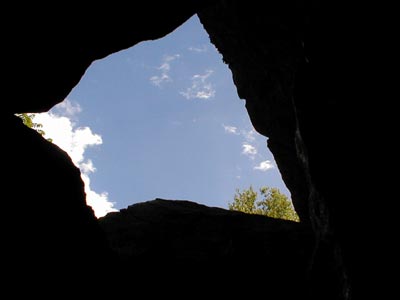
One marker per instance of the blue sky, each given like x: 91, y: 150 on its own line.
x: 161, y: 119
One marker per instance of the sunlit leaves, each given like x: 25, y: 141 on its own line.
x: 27, y: 119
x: 273, y: 204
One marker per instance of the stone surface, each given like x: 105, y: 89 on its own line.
x: 287, y: 63
x: 309, y: 73
x: 210, y: 247
x: 48, y: 52
x: 46, y: 225
x: 263, y: 52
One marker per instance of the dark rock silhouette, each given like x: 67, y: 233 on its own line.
x: 305, y: 70
x: 210, y: 247
x: 189, y: 232
x: 46, y: 225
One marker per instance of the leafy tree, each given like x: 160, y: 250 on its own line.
x: 245, y: 201
x: 273, y: 204
x: 27, y: 119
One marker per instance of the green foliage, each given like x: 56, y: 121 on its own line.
x: 273, y: 204
x: 244, y: 201
x: 27, y: 119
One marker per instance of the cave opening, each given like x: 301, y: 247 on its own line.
x: 297, y: 65
x: 162, y: 119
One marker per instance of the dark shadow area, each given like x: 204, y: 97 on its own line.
x: 300, y: 65
x: 209, y: 249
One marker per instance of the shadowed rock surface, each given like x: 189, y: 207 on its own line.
x: 186, y: 231
x: 210, y: 247
x: 48, y: 231
x: 308, y: 71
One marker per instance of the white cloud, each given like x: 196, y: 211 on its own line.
x: 249, y: 135
x: 87, y: 167
x: 249, y: 150
x: 158, y: 80
x: 202, y: 48
x: 200, y: 88
x: 165, y: 67
x: 67, y: 108
x: 99, y: 202
x: 74, y: 140
x: 264, y: 166
x: 230, y: 129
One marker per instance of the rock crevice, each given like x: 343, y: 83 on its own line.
x: 297, y: 64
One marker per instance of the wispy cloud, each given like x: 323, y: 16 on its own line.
x: 249, y: 135
x: 164, y: 69
x: 249, y: 150
x: 67, y: 108
x: 264, y: 166
x: 230, y: 129
x: 58, y: 126
x: 249, y: 144
x: 202, y: 48
x: 200, y: 88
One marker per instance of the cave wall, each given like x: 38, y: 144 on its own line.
x: 263, y: 52
x: 312, y: 76
x: 286, y: 64
x: 269, y: 58
x: 295, y: 63
x: 211, y: 250
x: 50, y: 237
x: 48, y: 51
x: 48, y: 231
